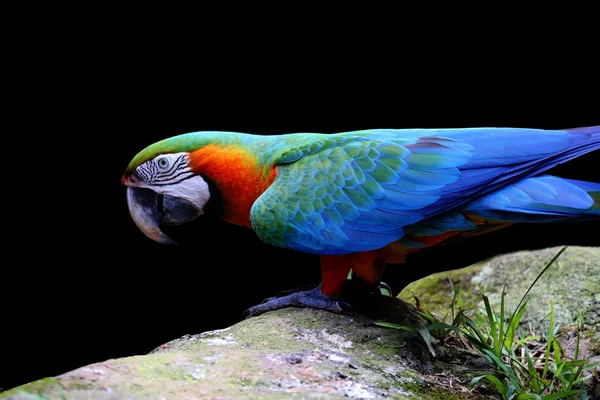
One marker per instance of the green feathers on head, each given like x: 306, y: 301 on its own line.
x: 185, y: 143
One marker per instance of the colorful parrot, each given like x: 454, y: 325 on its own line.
x: 361, y: 199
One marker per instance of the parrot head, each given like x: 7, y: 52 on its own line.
x: 164, y: 191
x: 177, y: 179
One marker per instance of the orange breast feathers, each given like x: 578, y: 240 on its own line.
x: 238, y: 176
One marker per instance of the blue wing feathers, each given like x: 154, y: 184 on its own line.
x: 540, y: 198
x: 443, y: 176
x: 585, y: 133
x: 516, y: 153
x: 443, y: 223
x: 375, y: 185
x: 432, y: 156
x: 495, y: 147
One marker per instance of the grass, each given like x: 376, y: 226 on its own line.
x: 526, y: 365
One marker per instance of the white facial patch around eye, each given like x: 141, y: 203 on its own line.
x: 165, y: 169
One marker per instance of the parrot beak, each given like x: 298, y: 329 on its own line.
x: 150, y: 210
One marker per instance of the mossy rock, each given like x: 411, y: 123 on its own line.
x: 572, y: 284
x: 301, y: 353
x: 306, y: 353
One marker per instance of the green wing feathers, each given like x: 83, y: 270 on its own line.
x: 346, y: 193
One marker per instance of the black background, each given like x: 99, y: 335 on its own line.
x: 82, y: 284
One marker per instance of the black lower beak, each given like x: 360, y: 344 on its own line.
x: 149, y: 210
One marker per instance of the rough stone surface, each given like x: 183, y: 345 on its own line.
x: 310, y: 354
x: 290, y: 353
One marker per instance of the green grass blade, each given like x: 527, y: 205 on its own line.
x: 557, y: 351
x: 426, y: 335
x: 472, y: 326
x: 561, y: 395
x: 581, y: 380
x: 533, y: 373
x: 526, y: 396
x: 458, y: 318
x: 513, y: 325
x: 502, y: 367
x: 590, y: 366
x: 445, y: 316
x: 559, y: 369
x: 454, y: 294
x: 396, y: 326
x: 492, y: 324
x: 443, y: 325
x: 579, y: 368
x: 521, y: 342
x: 537, y: 278
x: 501, y: 342
x: 549, y: 341
x: 428, y: 316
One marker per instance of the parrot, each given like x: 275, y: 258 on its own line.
x: 360, y: 199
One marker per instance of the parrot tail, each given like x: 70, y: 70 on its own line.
x: 543, y: 198
x: 534, y: 199
x: 585, y: 140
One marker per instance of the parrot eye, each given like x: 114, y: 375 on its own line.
x: 163, y: 163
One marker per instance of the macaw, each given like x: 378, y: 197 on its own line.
x: 361, y: 199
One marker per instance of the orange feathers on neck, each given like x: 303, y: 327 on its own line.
x: 238, y: 176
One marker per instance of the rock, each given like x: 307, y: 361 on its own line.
x: 305, y: 353
x: 289, y: 353
x: 572, y: 284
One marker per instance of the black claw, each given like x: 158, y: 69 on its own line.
x: 312, y: 298
x: 362, y: 296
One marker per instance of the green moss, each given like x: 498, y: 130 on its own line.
x: 22, y: 395
x: 434, y: 291
x: 41, y: 388
x: 243, y: 382
x: 276, y: 333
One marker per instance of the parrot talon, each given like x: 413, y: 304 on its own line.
x: 312, y: 298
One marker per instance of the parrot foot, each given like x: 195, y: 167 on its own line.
x: 312, y: 298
